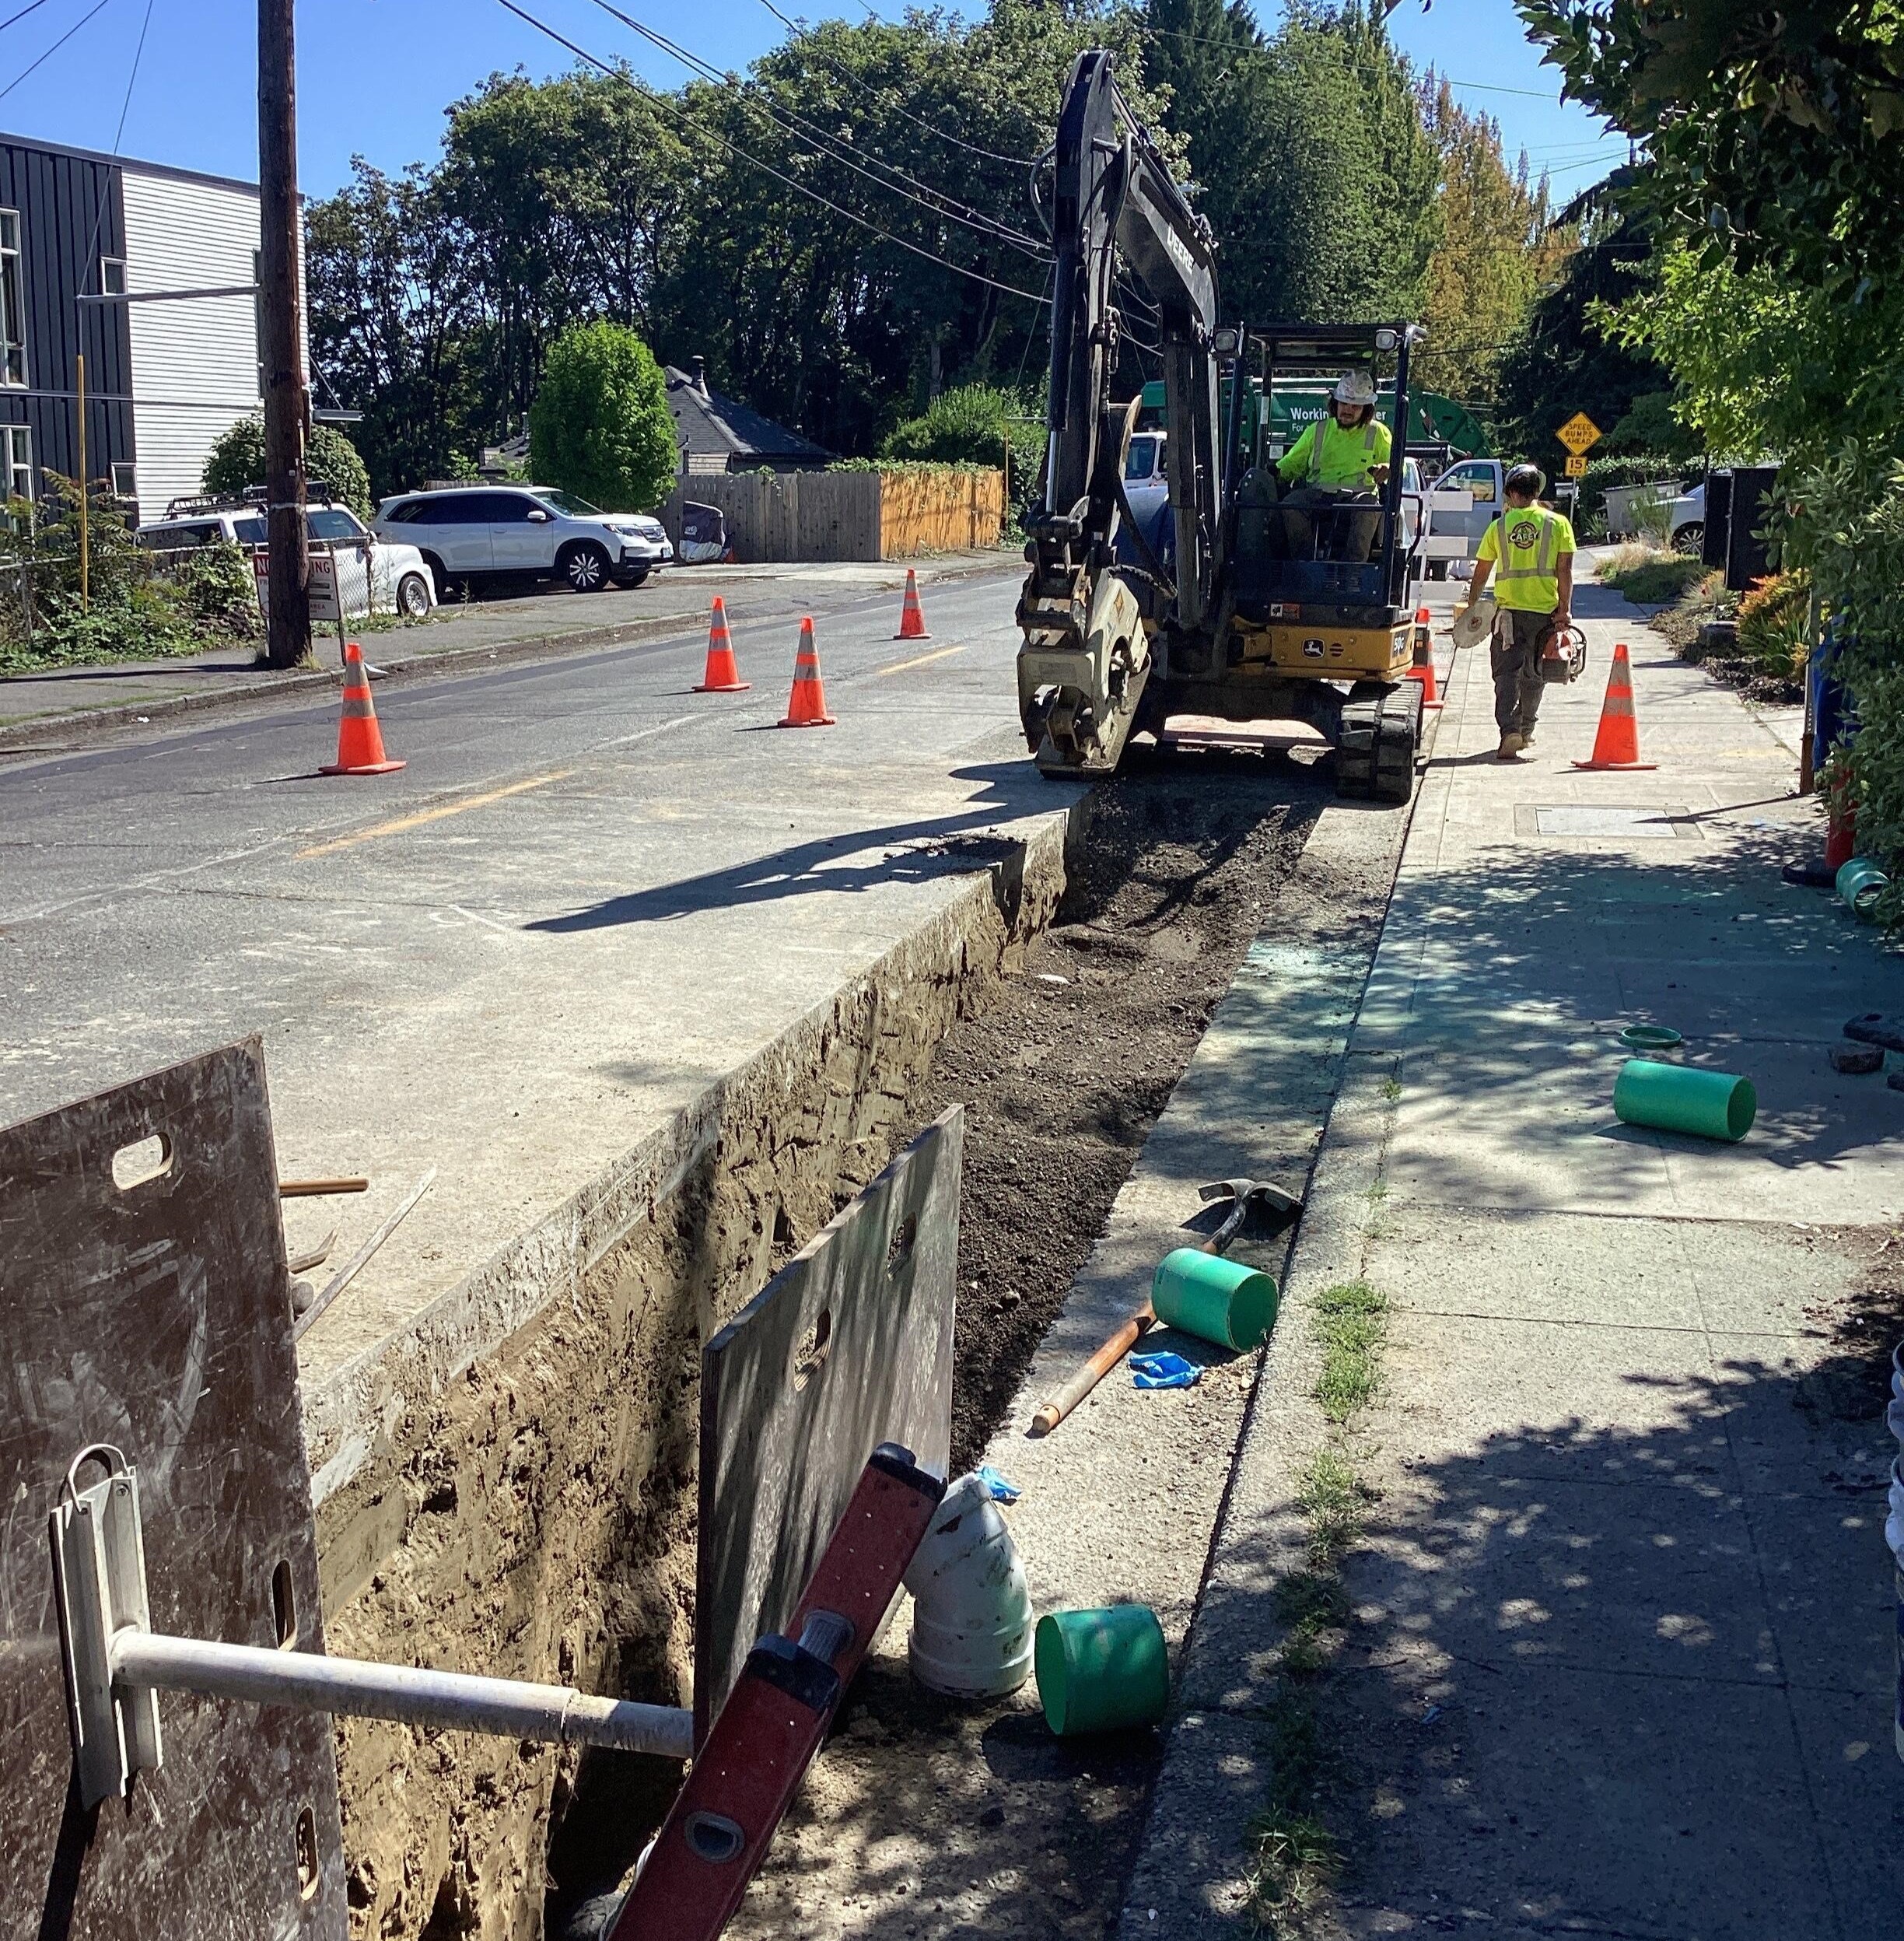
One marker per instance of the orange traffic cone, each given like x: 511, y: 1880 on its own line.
x: 1423, y: 647
x: 360, y: 741
x: 1617, y: 744
x: 723, y: 675
x: 807, y: 707
x: 911, y: 616
x: 1423, y: 670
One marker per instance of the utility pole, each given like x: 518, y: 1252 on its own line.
x: 281, y: 306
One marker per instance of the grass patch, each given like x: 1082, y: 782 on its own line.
x: 1650, y: 577
x: 1352, y: 1320
x: 1294, y: 1856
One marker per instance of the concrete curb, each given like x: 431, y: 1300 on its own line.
x: 1188, y: 1879
x: 47, y: 734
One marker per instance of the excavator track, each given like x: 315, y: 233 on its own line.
x: 1381, y: 737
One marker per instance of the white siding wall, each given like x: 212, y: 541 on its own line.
x: 195, y: 364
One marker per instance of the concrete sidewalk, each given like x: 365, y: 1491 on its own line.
x: 1619, y: 1658
x: 55, y: 703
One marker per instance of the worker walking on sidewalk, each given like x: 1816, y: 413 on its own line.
x: 1529, y: 551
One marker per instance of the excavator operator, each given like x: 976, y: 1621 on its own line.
x: 1340, y: 459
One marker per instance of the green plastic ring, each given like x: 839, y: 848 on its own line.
x: 1651, y: 1037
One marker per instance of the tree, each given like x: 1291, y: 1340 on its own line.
x: 600, y: 426
x: 1499, y: 249
x: 1569, y: 356
x: 1309, y: 158
x: 976, y: 425
x: 235, y: 463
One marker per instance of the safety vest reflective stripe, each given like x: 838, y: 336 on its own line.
x: 1326, y: 430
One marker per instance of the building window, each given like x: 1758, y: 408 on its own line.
x: 17, y: 459
x: 12, y: 300
x: 124, y: 479
x: 112, y: 276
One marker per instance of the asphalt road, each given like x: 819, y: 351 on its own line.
x: 590, y: 892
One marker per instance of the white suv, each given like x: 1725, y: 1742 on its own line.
x: 478, y: 532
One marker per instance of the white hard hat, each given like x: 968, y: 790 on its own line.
x: 1354, y: 388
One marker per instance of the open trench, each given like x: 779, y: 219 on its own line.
x: 540, y: 1517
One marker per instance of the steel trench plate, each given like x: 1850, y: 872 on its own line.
x: 156, y: 1316
x: 849, y: 1346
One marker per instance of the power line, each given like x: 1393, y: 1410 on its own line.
x: 943, y: 205
x: 125, y: 108
x: 622, y: 73
x: 944, y: 135
x: 22, y: 15
x: 54, y: 49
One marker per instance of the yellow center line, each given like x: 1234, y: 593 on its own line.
x: 937, y: 653
x: 405, y: 822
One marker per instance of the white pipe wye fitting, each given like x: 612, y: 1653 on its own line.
x: 971, y: 1610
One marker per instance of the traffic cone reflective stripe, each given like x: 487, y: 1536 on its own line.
x: 807, y: 707
x: 912, y: 615
x: 360, y: 741
x: 1617, y: 744
x: 723, y: 673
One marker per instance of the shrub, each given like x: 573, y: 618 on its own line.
x: 1774, y: 624
x: 236, y: 462
x: 977, y: 425
x: 600, y: 426
x: 1648, y: 577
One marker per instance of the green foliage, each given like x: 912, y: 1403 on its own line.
x: 1566, y: 358
x: 1653, y: 579
x: 1652, y: 430
x: 1771, y: 133
x: 976, y: 425
x: 236, y: 462
x: 1500, y: 248
x: 1308, y: 148
x: 1353, y: 1322
x: 138, y: 608
x: 1774, y: 625
x: 600, y: 426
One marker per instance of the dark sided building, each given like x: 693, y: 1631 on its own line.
x: 163, y: 378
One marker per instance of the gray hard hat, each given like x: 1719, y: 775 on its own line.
x: 1354, y: 388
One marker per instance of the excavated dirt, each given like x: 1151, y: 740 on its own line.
x: 1064, y: 1071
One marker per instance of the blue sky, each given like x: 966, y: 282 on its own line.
x: 375, y: 76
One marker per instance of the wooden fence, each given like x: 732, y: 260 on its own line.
x: 848, y: 515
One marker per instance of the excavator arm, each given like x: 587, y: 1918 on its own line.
x: 1087, y: 655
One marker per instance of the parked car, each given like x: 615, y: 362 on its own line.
x: 1685, y: 521
x: 473, y: 533
x: 400, y: 578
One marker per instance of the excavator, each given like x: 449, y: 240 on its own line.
x: 1248, y: 613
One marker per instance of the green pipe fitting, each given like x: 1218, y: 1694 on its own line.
x: 1218, y: 1301
x: 1102, y: 1670
x: 1860, y: 882
x: 1715, y: 1104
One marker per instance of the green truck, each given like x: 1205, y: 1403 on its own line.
x: 1439, y: 430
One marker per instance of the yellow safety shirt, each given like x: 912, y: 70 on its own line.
x: 1347, y: 458
x: 1527, y: 578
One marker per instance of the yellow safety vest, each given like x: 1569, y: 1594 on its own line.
x: 1336, y: 460
x: 1526, y: 541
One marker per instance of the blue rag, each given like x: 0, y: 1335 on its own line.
x: 1164, y: 1371
x: 1001, y: 1489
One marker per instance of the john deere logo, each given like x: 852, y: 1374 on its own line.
x: 1313, y: 649
x: 1524, y: 536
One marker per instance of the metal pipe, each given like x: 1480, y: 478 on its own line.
x: 313, y: 1682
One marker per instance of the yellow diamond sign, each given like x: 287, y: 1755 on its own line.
x: 1578, y: 432
x: 1576, y: 465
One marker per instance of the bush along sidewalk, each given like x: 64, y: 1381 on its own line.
x: 138, y: 605
x: 1294, y: 1855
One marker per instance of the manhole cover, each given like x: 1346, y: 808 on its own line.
x: 1665, y: 823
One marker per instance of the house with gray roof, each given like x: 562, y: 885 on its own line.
x: 718, y: 434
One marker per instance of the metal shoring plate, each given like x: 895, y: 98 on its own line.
x: 847, y: 1347
x: 145, y: 1303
